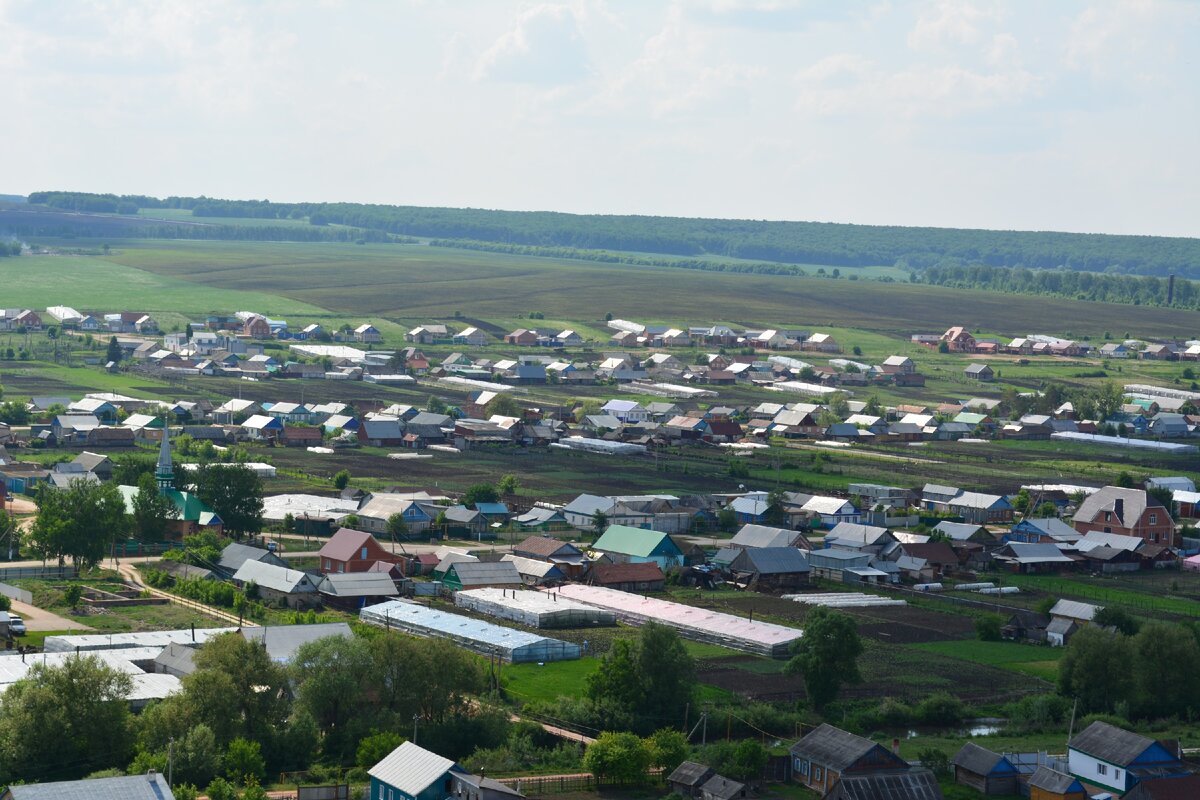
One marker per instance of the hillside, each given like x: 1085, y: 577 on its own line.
x: 831, y: 244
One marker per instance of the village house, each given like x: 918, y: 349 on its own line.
x: 984, y: 771
x: 826, y: 754
x: 1116, y: 759
x: 411, y: 772
x: 959, y: 340
x: 351, y: 550
x: 1128, y: 512
x: 622, y: 544
x: 274, y: 583
x: 979, y: 372
x: 630, y: 577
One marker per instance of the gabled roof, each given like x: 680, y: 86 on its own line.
x: 1055, y: 782
x: 345, y: 545
x: 1110, y: 743
x: 633, y: 541
x: 859, y: 534
x: 358, y: 584
x: 1074, y: 610
x: 980, y: 760
x: 480, y: 573
x: 1133, y: 501
x: 751, y: 535
x: 634, y: 572
x: 128, y: 787
x: 771, y: 561
x: 236, y: 554
x: 689, y: 773
x: 958, y: 531
x: 545, y: 547
x: 835, y: 748
x: 917, y: 784
x: 411, y: 769
x: 270, y: 576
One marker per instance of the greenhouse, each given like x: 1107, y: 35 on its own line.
x: 535, y: 609
x: 70, y: 643
x: 844, y: 599
x: 698, y: 624
x: 472, y: 634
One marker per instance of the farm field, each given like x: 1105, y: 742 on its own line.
x: 407, y: 282
x: 1039, y: 661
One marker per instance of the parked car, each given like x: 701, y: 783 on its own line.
x: 16, y: 626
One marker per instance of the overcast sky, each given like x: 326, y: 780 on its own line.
x: 1032, y: 115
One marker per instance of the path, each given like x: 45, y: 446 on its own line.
x: 37, y: 619
x: 129, y: 572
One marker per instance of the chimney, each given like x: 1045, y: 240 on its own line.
x: 1119, y: 509
x: 151, y: 775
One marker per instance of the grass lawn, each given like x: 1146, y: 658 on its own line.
x: 531, y: 682
x: 1041, y: 662
x: 1151, y: 600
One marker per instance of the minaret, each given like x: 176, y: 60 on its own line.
x: 164, y: 473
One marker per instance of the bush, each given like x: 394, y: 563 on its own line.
x: 1038, y: 712
x: 987, y: 627
x: 940, y: 709
x: 934, y: 760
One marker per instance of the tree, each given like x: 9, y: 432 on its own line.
x: 254, y: 790
x: 747, y: 762
x: 599, y: 523
x: 372, y: 749
x: 220, y: 789
x: 62, y: 722
x: 1096, y: 669
x: 509, y: 484
x: 152, y: 511
x: 237, y: 689
x: 244, y: 761
x: 651, y: 679
x: 1047, y: 509
x: 72, y: 594
x: 617, y: 757
x: 235, y: 494
x: 328, y: 675
x: 668, y: 749
x: 480, y: 493
x: 775, y: 515
x: 397, y: 528
x: 114, y: 352
x: 78, y: 522
x: 505, y: 406
x: 1020, y: 502
x: 1116, y: 617
x: 341, y: 479
x: 987, y: 627
x: 435, y: 405
x: 1162, y: 671
x: 727, y: 519
x: 827, y: 655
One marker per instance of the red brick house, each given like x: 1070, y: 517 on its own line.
x: 257, y: 328
x: 521, y: 336
x: 959, y: 340
x: 1128, y: 512
x: 349, y: 550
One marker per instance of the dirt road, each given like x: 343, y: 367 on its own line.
x: 37, y: 619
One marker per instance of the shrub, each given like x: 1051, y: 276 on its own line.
x: 940, y: 708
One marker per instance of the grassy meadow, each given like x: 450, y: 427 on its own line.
x: 414, y: 282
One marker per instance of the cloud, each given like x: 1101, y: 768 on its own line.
x: 544, y: 46
x: 948, y: 23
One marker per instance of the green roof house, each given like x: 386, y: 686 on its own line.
x: 194, y: 515
x: 625, y: 545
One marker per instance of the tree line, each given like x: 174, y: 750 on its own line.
x: 831, y: 244
x: 1105, y: 288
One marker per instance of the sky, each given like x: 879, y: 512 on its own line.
x: 1014, y: 115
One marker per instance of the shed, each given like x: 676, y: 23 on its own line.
x: 1050, y: 784
x: 357, y: 589
x: 771, y: 567
x: 821, y: 757
x: 984, y: 771
x: 688, y: 777
x: 917, y: 784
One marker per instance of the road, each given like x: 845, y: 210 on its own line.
x: 37, y: 619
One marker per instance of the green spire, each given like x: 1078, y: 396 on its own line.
x: 164, y: 473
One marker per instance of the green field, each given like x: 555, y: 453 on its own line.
x: 413, y: 282
x: 1041, y: 662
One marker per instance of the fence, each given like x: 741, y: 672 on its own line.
x: 542, y: 785
x: 16, y: 573
x: 12, y: 592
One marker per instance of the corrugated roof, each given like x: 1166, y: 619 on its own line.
x: 764, y: 536
x: 345, y: 544
x: 640, y: 572
x: 632, y: 541
x: 771, y: 561
x: 479, y: 573
x: 690, y: 773
x: 544, y: 546
x: 282, y: 641
x: 1074, y: 609
x: 359, y: 584
x: 411, y: 769
x: 270, y: 576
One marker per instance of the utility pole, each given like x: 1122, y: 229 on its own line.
x: 170, y: 761
x: 415, y: 718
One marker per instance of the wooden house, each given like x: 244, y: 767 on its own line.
x: 984, y: 771
x: 827, y: 754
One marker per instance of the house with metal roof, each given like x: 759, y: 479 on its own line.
x: 1026, y: 558
x: 535, y: 572
x: 623, y: 544
x: 356, y: 589
x: 1042, y: 530
x: 751, y: 535
x: 1116, y: 759
x: 151, y: 786
x: 821, y: 758
x: 235, y: 554
x: 645, y: 576
x: 481, y: 574
x: 984, y: 771
x: 769, y: 568
x: 274, y: 583
x: 411, y: 772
